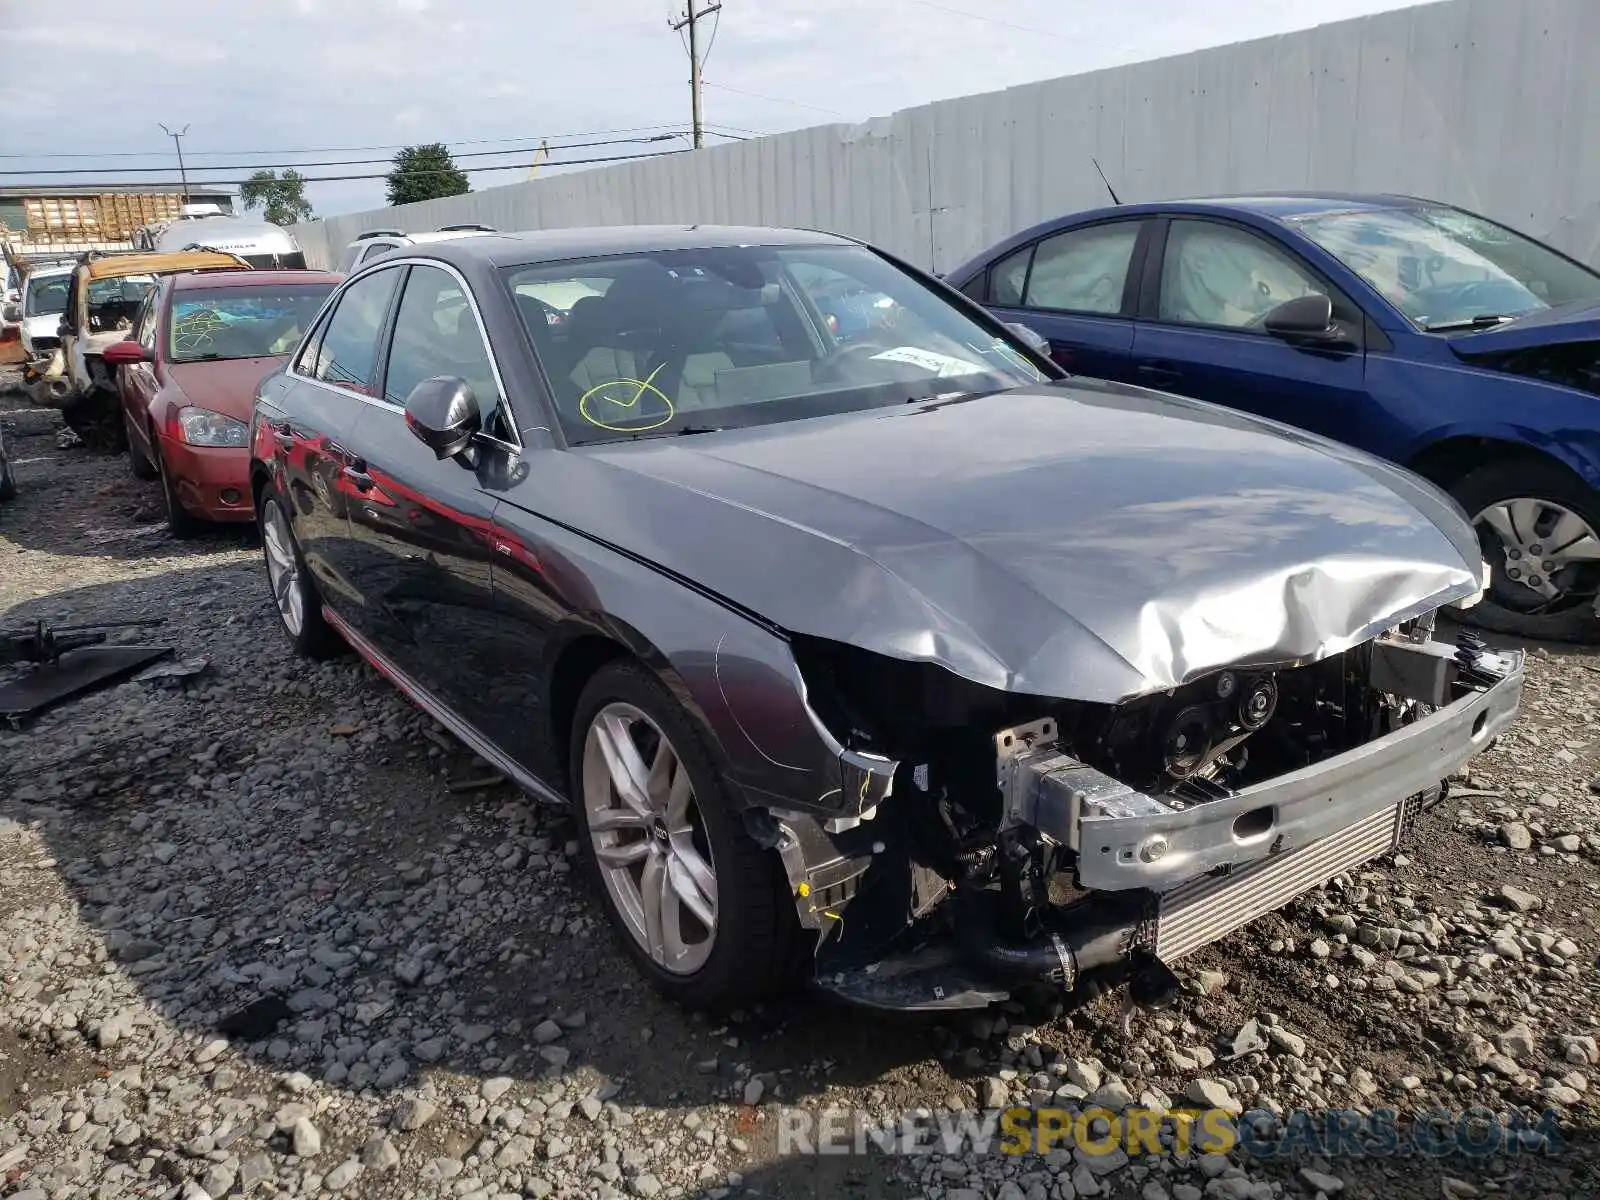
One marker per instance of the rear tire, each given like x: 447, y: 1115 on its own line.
x: 289, y: 581
x: 97, y: 421
x: 754, y: 933
x: 1502, y: 608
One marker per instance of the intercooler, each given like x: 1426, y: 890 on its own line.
x: 1205, y: 909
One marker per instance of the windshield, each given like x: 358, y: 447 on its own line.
x: 241, y: 322
x: 686, y: 340
x: 46, y: 296
x: 1446, y: 268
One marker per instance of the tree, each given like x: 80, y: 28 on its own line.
x: 425, y: 173
x: 283, y: 199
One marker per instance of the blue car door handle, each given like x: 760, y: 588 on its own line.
x: 1158, y: 373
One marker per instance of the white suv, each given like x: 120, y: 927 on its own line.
x: 374, y: 242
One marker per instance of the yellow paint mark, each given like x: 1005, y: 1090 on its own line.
x: 643, y: 386
x: 804, y: 889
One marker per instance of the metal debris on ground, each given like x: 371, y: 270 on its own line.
x: 179, y: 668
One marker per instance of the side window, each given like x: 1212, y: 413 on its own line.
x: 1007, y: 277
x: 1083, y: 270
x: 1219, y: 275
x: 374, y: 249
x: 436, y: 333
x: 344, y: 353
x: 144, y: 324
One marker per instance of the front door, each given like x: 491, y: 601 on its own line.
x: 422, y: 524
x: 1202, y: 333
x: 311, y: 411
x: 1073, y: 289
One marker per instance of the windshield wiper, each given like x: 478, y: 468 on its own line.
x: 1481, y: 321
x: 681, y: 431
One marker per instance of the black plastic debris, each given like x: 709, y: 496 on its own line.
x: 72, y: 674
x: 255, y: 1020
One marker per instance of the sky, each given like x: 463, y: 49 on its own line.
x: 294, y: 82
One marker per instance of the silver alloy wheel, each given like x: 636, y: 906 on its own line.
x: 1539, y: 539
x: 283, y: 569
x: 649, y: 838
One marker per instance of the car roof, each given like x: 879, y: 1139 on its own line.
x: 216, y: 279
x: 50, y: 272
x: 553, y: 245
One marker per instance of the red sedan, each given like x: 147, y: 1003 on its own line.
x: 187, y: 376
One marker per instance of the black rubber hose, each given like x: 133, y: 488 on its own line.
x: 1090, y: 934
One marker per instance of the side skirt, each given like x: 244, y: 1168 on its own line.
x: 435, y: 708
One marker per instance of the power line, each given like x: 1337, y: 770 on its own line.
x: 346, y: 162
x: 571, y: 162
x: 359, y: 149
x: 1074, y: 36
x: 723, y: 87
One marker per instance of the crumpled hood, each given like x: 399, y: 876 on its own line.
x: 227, y: 386
x: 1082, y: 540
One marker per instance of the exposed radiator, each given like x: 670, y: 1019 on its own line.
x: 1202, y: 911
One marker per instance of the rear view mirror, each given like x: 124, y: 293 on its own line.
x: 443, y: 414
x: 1304, y: 318
x: 125, y: 353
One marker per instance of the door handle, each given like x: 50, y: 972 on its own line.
x: 1158, y: 373
x: 283, y: 431
x: 356, y: 473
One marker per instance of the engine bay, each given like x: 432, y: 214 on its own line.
x: 1037, y: 835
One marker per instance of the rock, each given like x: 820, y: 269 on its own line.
x: 514, y: 1153
x: 646, y: 1186
x: 306, y: 1140
x: 1567, y: 843
x: 1085, y: 1074
x: 217, y: 1180
x: 1518, y: 899
x: 255, y: 1169
x: 546, y: 1032
x: 1208, y: 983
x: 1248, y: 1040
x: 379, y: 1153
x: 995, y: 1093
x: 1515, y: 835
x: 1319, y: 1181
x: 493, y: 1089
x: 342, y: 1176
x: 1209, y: 1093
x: 1319, y: 948
x: 414, y: 1114
x: 1186, y: 1191
x: 1289, y: 1043
x: 211, y: 1050
x: 1361, y: 1079
x: 1517, y: 1042
x: 753, y: 1090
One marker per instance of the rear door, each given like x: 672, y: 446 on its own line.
x: 137, y: 382
x: 422, y: 524
x: 311, y: 410
x: 1208, y: 286
x: 1077, y: 288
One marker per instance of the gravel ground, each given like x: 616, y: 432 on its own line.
x: 269, y: 931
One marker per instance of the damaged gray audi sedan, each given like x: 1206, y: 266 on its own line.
x: 867, y: 647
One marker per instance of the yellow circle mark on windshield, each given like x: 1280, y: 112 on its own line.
x: 625, y: 394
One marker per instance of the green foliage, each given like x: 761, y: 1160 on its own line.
x: 425, y: 173
x: 282, y: 198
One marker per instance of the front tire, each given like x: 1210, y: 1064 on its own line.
x: 701, y: 909
x: 299, y: 607
x: 179, y: 522
x: 1539, y: 526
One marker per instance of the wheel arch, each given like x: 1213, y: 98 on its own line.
x: 1451, y: 459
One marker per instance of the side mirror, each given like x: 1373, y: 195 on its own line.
x: 443, y: 414
x: 125, y: 353
x: 12, y: 312
x: 1303, y: 319
x: 1036, y: 341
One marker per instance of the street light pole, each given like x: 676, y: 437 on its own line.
x: 177, y: 140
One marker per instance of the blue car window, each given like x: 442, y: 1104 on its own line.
x: 1083, y: 270
x: 1009, y: 277
x: 1218, y: 275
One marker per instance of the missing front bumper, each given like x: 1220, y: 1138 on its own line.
x: 1125, y: 839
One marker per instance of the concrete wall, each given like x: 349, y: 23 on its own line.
x: 1491, y: 104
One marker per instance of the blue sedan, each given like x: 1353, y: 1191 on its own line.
x: 1417, y: 331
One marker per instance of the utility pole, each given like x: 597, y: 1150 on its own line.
x: 177, y: 140
x: 690, y: 20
